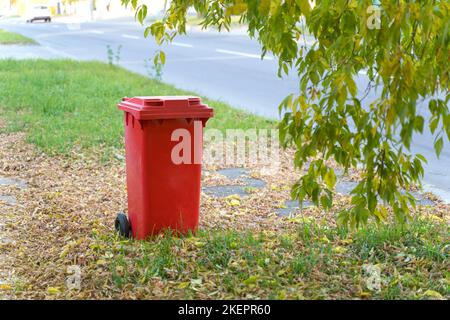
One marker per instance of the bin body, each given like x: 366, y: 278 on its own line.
x: 163, y: 194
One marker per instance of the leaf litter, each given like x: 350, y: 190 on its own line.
x: 243, y: 250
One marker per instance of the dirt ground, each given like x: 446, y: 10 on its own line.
x: 67, y: 200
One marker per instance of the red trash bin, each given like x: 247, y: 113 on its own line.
x: 163, y: 143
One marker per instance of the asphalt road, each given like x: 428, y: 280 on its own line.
x: 226, y: 67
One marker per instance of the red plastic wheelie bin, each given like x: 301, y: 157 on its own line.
x: 163, y: 143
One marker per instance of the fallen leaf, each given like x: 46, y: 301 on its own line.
x: 53, y: 290
x: 184, y: 285
x: 5, y: 287
x: 433, y: 294
x: 339, y: 249
x: 197, y: 282
x: 251, y: 280
x: 234, y: 202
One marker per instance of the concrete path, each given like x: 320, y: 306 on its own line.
x: 7, y: 204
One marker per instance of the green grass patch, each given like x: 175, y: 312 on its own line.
x: 65, y: 103
x: 7, y: 37
x: 312, y: 261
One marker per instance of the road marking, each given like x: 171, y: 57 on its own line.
x: 180, y: 44
x: 96, y: 31
x: 243, y: 54
x: 187, y: 59
x: 130, y: 37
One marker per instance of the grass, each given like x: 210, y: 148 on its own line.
x: 62, y: 103
x: 312, y: 262
x: 7, y: 37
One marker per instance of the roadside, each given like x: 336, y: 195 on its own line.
x: 62, y: 181
x: 83, y: 110
x: 9, y: 38
x: 64, y: 221
x: 66, y: 183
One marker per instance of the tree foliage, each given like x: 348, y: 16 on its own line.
x: 402, y: 47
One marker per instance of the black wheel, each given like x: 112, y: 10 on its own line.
x: 49, y: 20
x: 123, y: 225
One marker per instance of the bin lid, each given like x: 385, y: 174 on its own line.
x: 166, y: 107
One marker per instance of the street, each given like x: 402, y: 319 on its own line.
x: 225, y: 67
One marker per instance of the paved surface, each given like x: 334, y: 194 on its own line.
x: 6, y: 272
x: 222, y: 66
x: 289, y: 208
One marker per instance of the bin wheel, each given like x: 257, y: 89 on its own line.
x: 123, y: 225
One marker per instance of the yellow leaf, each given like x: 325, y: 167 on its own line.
x: 199, y: 244
x: 433, y: 294
x: 234, y: 202
x: 101, y: 262
x: 436, y: 218
x: 347, y: 241
x: 53, y: 290
x: 183, y: 285
x: 5, y: 287
x: 339, y: 249
x: 282, y: 295
x: 251, y: 280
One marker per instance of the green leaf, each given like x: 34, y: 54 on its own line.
x: 330, y: 179
x: 142, y: 13
x: 162, y: 57
x: 438, y: 145
x: 367, y: 129
x: 147, y: 31
x: 304, y: 7
x: 343, y: 218
x: 326, y: 201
